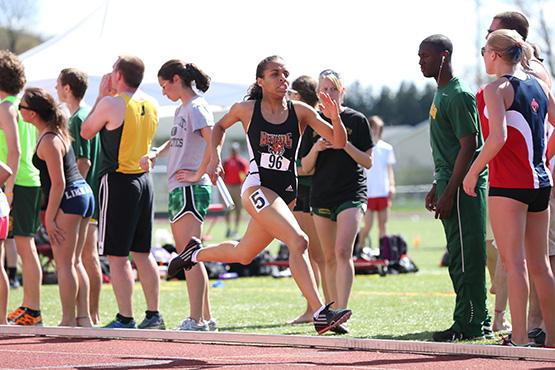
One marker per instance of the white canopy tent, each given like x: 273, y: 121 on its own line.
x: 94, y: 44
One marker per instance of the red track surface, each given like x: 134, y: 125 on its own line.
x: 67, y: 353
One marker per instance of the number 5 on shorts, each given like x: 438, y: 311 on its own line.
x: 258, y: 200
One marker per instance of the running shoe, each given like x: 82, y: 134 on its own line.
x: 190, y: 324
x: 537, y: 335
x: 488, y: 332
x: 452, y: 335
x: 212, y: 325
x: 184, y: 259
x: 154, y: 322
x: 328, y: 319
x: 26, y: 319
x: 117, y: 324
x: 12, y: 316
x: 449, y: 335
x: 507, y: 341
x: 340, y: 329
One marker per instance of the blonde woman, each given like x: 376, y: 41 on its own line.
x: 339, y: 195
x: 517, y: 105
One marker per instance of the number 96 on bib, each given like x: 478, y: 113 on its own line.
x: 274, y: 162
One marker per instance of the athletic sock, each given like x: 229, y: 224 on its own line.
x: 123, y: 319
x: 194, y: 256
x: 34, y: 313
x: 12, y: 272
x: 150, y: 314
x: 315, y: 314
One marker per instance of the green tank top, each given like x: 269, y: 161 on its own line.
x: 27, y: 174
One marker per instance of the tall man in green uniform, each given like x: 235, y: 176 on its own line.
x: 456, y: 140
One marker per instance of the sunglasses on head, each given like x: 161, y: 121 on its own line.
x: 327, y: 72
x: 21, y: 107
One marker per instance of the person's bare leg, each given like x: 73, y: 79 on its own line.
x: 508, y: 221
x: 534, y: 311
x: 196, y: 278
x: 4, y: 288
x: 121, y: 276
x: 149, y: 277
x: 366, y: 228
x: 348, y: 222
x: 326, y: 230
x: 91, y: 263
x: 500, y: 322
x: 537, y: 224
x: 31, y: 271
x: 64, y: 256
x: 10, y: 252
x: 274, y: 221
x: 383, y: 217
x: 83, y: 292
x: 315, y: 256
x: 491, y: 263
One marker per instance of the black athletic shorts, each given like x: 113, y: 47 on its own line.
x: 303, y: 199
x: 126, y: 214
x: 536, y: 199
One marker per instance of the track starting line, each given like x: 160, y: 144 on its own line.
x: 341, y: 343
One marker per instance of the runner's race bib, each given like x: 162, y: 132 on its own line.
x: 274, y: 162
x: 259, y: 200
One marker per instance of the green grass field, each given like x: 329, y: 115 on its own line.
x: 408, y: 306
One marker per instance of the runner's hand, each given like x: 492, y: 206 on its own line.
x: 187, y: 176
x: 105, y: 88
x: 328, y: 106
x: 322, y: 144
x: 469, y: 184
x: 147, y: 162
x: 55, y: 234
x: 215, y: 169
x: 430, y: 201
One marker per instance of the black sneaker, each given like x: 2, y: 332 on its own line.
x: 184, y: 259
x: 537, y: 335
x: 328, y: 319
x: 451, y: 335
x: 448, y: 335
x: 340, y: 329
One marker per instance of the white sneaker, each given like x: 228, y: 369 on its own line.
x: 212, y: 326
x: 192, y: 325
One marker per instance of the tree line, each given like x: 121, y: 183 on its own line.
x: 408, y: 105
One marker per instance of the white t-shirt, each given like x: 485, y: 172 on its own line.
x: 377, y: 177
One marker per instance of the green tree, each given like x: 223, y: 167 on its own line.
x: 407, y: 106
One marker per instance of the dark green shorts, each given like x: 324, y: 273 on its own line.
x: 25, y: 211
x: 332, y: 213
x: 193, y: 199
